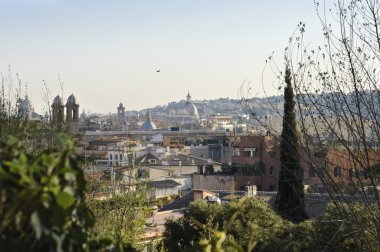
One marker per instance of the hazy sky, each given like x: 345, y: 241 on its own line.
x: 108, y: 51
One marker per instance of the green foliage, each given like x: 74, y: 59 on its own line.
x: 119, y: 219
x: 340, y: 229
x: 209, y: 169
x: 250, y: 225
x: 166, y: 200
x: 290, y: 195
x: 219, y: 243
x: 228, y: 169
x: 41, y: 200
x: 239, y: 226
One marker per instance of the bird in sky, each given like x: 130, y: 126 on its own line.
x: 158, y: 71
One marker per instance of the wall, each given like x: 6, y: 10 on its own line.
x: 213, y: 182
x: 196, y: 151
x: 263, y: 183
x: 156, y: 193
x: 201, y: 195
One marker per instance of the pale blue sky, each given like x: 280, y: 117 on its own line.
x: 108, y: 51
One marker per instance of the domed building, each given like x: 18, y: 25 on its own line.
x: 82, y: 116
x: 26, y: 109
x: 148, y: 124
x: 184, y: 114
x: 190, y: 108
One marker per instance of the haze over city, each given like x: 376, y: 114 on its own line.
x: 108, y: 52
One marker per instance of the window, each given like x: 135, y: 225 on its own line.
x: 236, y: 151
x: 337, y: 171
x: 352, y: 173
x: 110, y: 156
x: 311, y: 172
x: 249, y: 152
x: 271, y: 171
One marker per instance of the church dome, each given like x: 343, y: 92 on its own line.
x: 148, y: 124
x: 26, y: 108
x: 72, y: 100
x: 26, y: 105
x: 83, y: 116
x: 190, y: 108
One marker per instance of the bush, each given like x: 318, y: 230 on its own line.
x: 119, y: 219
x: 42, y: 207
x: 248, y: 225
x: 347, y: 228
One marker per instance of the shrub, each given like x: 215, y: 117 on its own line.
x: 42, y: 207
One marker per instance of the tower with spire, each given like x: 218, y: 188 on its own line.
x: 72, y: 113
x: 57, y: 112
x: 121, y: 114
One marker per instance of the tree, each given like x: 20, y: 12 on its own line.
x: 247, y: 225
x: 119, y: 220
x: 337, y: 90
x: 36, y: 135
x: 209, y: 169
x: 290, y: 194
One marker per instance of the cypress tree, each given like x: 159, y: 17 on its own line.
x: 290, y: 193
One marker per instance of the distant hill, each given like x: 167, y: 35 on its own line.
x: 216, y: 106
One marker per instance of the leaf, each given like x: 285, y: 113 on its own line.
x: 70, y: 176
x: 36, y: 224
x: 64, y: 199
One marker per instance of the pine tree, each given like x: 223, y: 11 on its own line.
x: 290, y: 194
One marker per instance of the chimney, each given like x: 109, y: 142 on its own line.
x: 250, y: 191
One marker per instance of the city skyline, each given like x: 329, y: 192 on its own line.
x: 110, y: 52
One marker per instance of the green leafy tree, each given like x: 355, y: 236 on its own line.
x: 248, y: 225
x: 119, y: 219
x: 337, y: 88
x: 42, y: 202
x: 290, y: 195
x: 209, y: 169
